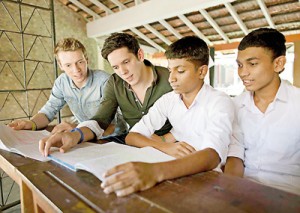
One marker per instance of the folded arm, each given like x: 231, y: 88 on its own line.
x: 177, y: 150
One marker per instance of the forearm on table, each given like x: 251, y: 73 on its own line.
x: 200, y: 161
x: 139, y: 140
x: 88, y: 134
x: 234, y: 166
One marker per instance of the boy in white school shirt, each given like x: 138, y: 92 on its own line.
x: 268, y: 115
x: 201, y: 118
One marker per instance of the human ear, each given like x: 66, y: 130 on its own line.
x: 279, y: 63
x: 140, y: 55
x: 202, y: 71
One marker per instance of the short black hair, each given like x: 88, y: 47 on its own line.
x: 119, y: 40
x: 268, y: 38
x: 191, y: 48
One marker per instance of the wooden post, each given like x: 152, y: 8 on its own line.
x: 296, y: 64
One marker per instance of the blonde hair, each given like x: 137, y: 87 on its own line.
x: 69, y: 44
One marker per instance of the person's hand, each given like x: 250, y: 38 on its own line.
x: 63, y: 127
x: 20, y: 124
x: 130, y: 177
x: 63, y: 140
x: 178, y: 149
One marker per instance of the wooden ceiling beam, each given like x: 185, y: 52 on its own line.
x: 234, y: 45
x: 236, y: 17
x: 266, y: 13
x: 125, y: 19
x: 86, y: 9
x: 194, y: 29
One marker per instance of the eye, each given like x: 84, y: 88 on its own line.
x: 239, y: 65
x: 180, y: 71
x: 68, y: 65
x: 126, y: 62
x: 253, y: 64
x: 115, y: 67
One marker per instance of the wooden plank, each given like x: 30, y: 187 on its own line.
x: 85, y: 184
x: 215, y: 192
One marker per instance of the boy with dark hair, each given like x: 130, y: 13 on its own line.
x: 134, y: 87
x: 201, y: 118
x: 267, y: 149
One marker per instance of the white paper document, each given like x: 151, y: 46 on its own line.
x: 98, y: 158
x: 22, y: 142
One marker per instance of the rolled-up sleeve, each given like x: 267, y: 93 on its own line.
x: 55, y: 103
x: 219, y: 127
x: 236, y: 147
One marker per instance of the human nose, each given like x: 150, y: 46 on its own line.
x: 123, y: 70
x: 172, y: 77
x: 243, y: 71
x: 76, y: 68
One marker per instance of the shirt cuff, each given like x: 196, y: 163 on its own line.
x: 235, y: 150
x: 93, y: 126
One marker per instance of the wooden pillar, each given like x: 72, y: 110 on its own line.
x: 212, y: 69
x: 297, y: 64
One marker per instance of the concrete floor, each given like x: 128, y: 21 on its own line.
x: 10, y: 193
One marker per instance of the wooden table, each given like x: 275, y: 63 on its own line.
x: 49, y: 187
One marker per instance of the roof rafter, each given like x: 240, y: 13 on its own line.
x: 214, y: 25
x: 86, y: 9
x: 236, y: 17
x: 194, y: 28
x: 136, y: 31
x: 102, y: 6
x: 119, y: 4
x: 170, y: 28
x: 159, y: 35
x: 124, y: 20
x: 266, y: 13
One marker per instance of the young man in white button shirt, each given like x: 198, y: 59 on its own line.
x: 201, y: 118
x: 267, y: 149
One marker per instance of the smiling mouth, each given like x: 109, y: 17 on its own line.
x: 129, y: 78
x: 247, y: 82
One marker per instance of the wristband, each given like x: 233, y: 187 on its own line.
x: 81, y: 134
x: 34, y: 127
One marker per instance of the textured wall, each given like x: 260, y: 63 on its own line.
x: 26, y: 54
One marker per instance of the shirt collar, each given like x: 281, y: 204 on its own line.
x: 201, y: 95
x: 281, y: 95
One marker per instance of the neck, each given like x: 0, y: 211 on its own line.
x: 263, y: 98
x: 188, y: 98
x: 146, y: 78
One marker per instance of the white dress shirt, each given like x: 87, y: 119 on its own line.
x: 271, y: 140
x: 207, y: 123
